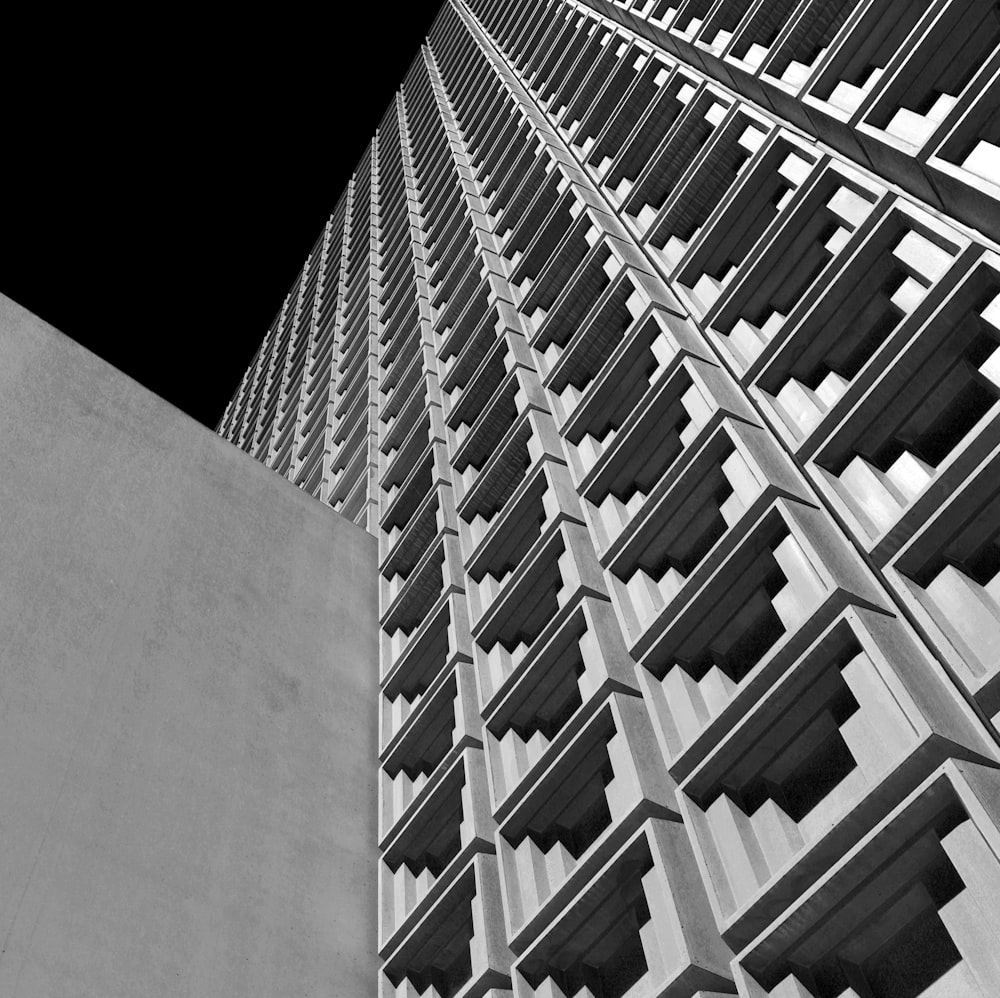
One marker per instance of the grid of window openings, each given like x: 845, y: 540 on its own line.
x: 659, y: 344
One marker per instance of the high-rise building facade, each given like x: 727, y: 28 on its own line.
x: 657, y: 342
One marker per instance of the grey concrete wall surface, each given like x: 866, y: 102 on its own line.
x: 187, y: 702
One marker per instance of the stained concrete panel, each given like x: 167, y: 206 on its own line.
x: 187, y: 702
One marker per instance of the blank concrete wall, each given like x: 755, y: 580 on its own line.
x: 187, y: 702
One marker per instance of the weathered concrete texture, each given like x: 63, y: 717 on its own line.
x: 188, y: 687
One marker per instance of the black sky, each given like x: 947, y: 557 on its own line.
x: 163, y: 187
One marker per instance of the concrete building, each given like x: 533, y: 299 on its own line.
x: 657, y: 344
x: 188, y: 701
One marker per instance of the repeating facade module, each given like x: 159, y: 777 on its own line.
x: 659, y: 344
